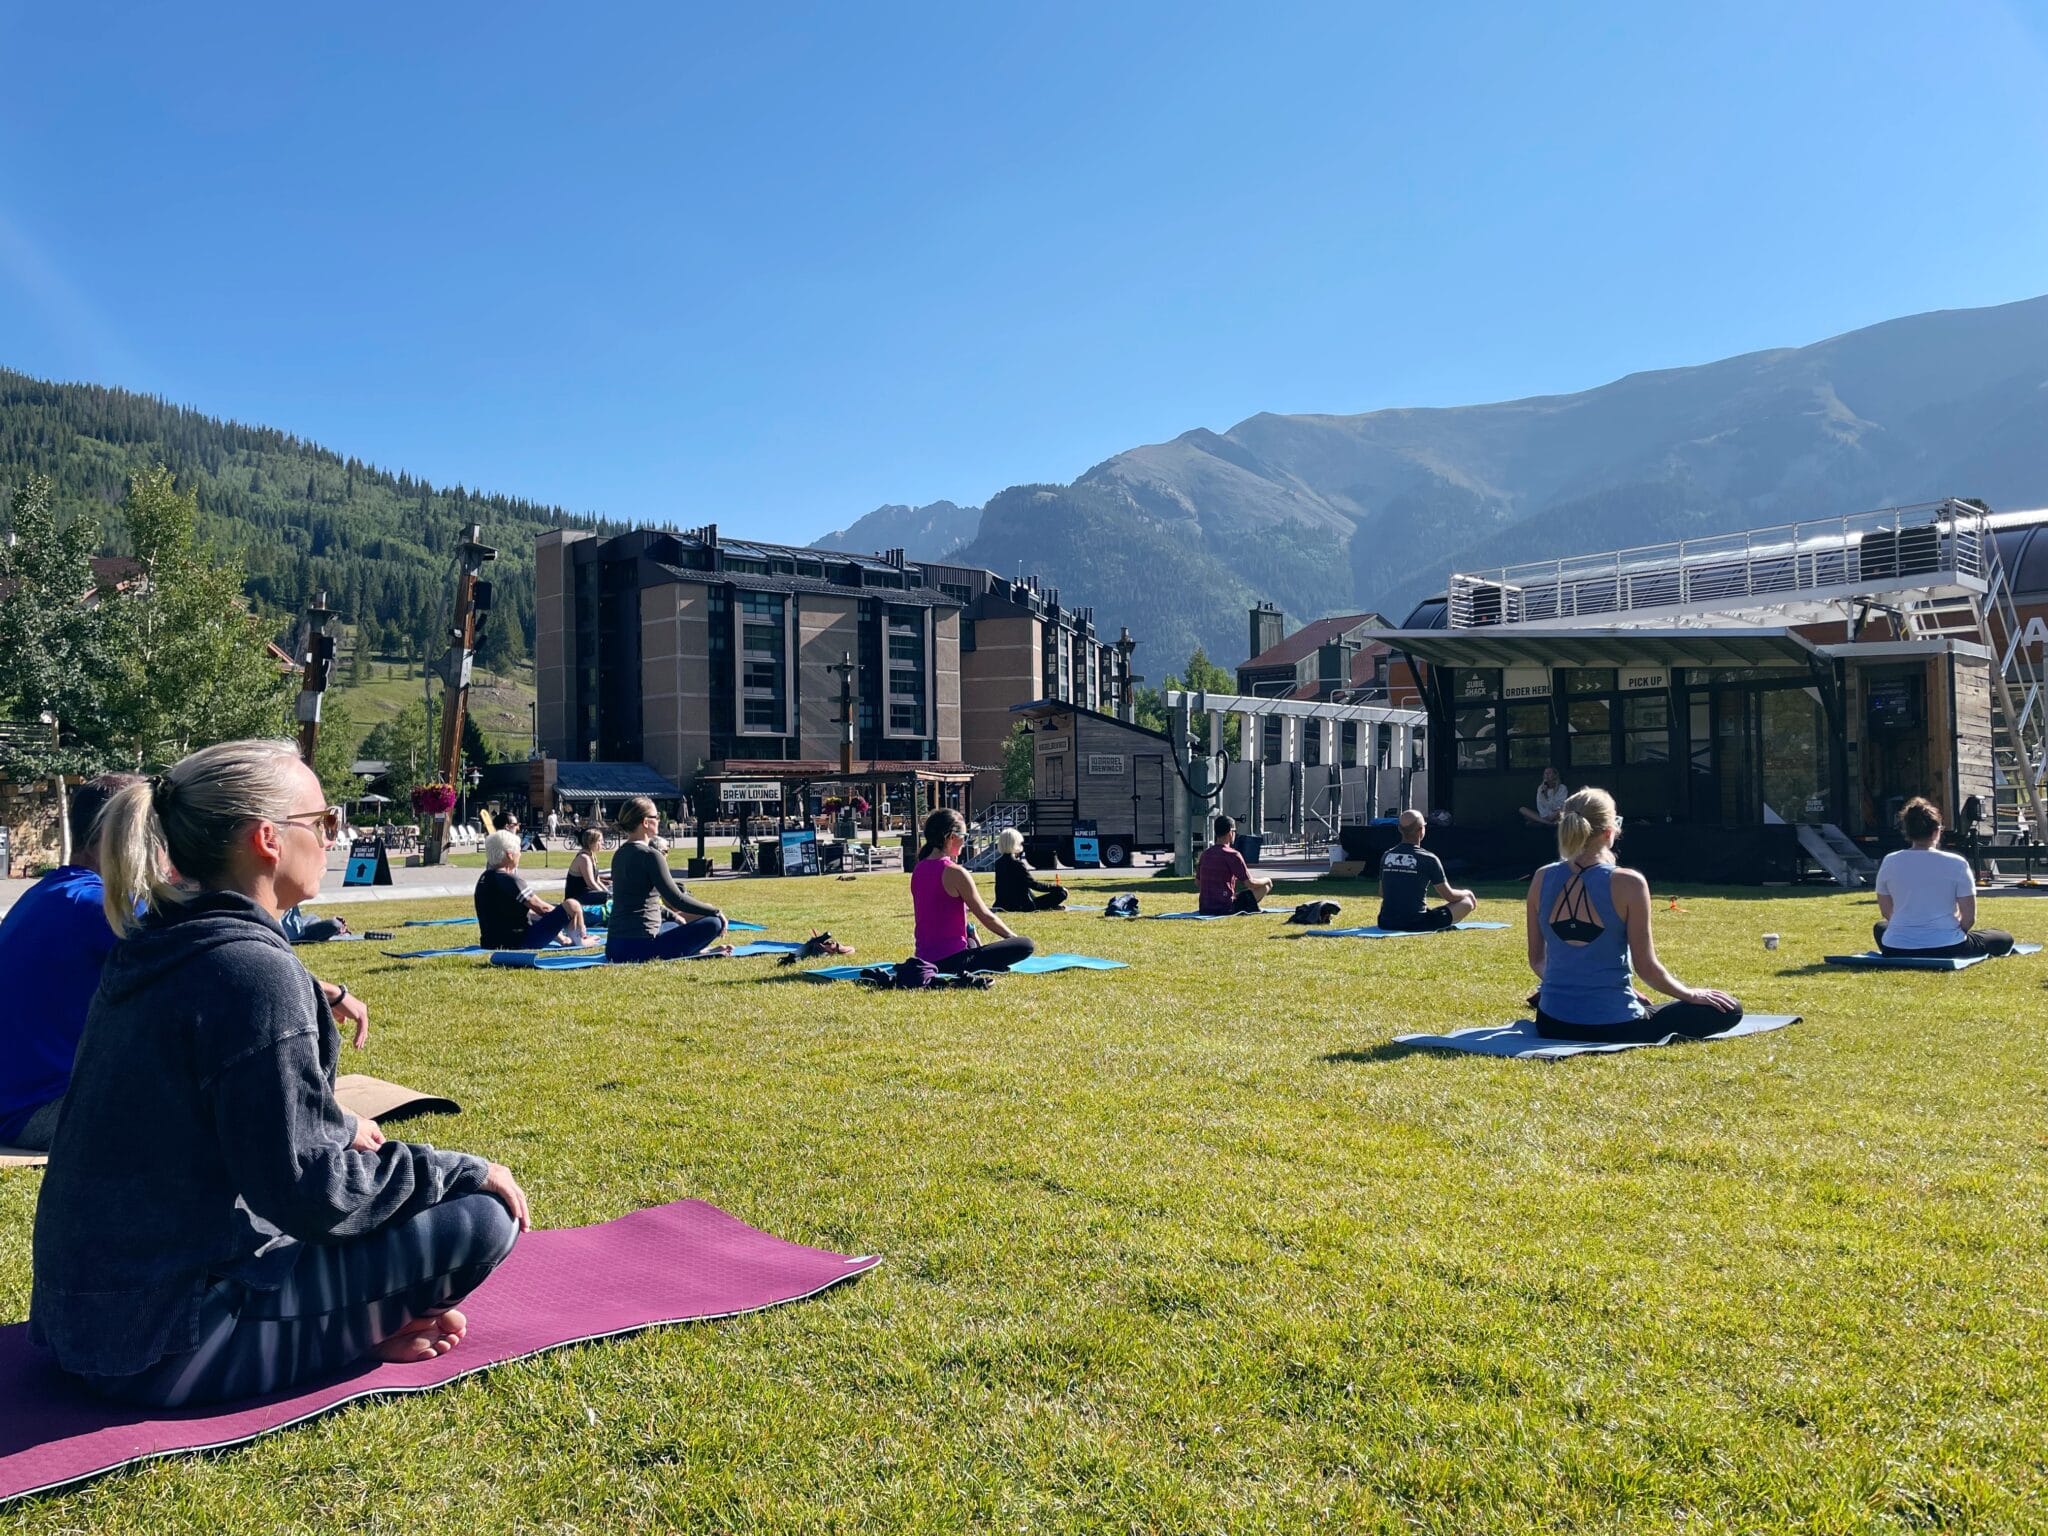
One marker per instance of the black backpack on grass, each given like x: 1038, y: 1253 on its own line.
x: 1315, y: 914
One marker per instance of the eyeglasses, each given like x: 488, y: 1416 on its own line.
x: 327, y: 823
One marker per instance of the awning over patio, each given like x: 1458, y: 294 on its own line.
x: 613, y: 781
x: 1504, y: 645
x: 812, y: 770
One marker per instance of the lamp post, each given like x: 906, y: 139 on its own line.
x: 49, y: 718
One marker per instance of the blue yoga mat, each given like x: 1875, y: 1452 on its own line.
x: 1875, y: 960
x: 470, y: 922
x: 547, y: 959
x: 1520, y: 1039
x: 430, y: 954
x: 578, y: 959
x: 1036, y: 965
x: 1214, y: 917
x: 1389, y: 933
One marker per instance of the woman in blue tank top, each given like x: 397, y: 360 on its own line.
x: 1589, y: 934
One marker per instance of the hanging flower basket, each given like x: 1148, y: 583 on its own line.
x: 433, y: 799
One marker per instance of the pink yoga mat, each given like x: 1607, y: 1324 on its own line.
x: 681, y: 1263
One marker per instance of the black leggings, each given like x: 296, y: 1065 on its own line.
x: 999, y: 956
x: 1978, y: 941
x: 340, y: 1301
x: 1694, y: 1021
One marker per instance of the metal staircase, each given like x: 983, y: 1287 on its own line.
x: 2019, y: 709
x: 1833, y: 850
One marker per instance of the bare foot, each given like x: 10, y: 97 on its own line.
x: 423, y: 1338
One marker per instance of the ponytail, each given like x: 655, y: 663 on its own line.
x: 1586, y: 816
x: 939, y: 826
x: 160, y: 837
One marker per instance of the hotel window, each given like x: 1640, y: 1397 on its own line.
x: 906, y: 670
x: 764, y: 676
x: 1269, y: 739
x: 1478, y: 737
x: 1348, y: 744
x: 1529, y: 735
x: 1646, y: 728
x: 1312, y: 743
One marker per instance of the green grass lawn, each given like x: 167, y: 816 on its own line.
x: 1190, y: 1247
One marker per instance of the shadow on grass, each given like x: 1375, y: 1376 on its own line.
x: 1391, y: 1050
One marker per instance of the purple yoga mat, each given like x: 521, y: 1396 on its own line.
x: 681, y: 1263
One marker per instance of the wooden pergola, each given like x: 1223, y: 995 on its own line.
x: 952, y: 783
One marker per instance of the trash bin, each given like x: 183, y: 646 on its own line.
x: 1250, y: 845
x: 768, y: 856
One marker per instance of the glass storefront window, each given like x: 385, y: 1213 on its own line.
x: 1646, y: 728
x: 1592, y: 738
x: 1478, y: 738
x: 1528, y: 736
x: 1793, y: 743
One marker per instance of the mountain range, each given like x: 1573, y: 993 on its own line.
x: 1325, y: 514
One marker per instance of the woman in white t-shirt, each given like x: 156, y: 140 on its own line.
x: 1928, y: 898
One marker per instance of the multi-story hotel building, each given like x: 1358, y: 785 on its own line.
x: 689, y: 652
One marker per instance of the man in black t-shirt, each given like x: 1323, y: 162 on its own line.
x: 1408, y: 873
x: 508, y: 914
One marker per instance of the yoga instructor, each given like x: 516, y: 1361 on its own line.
x: 214, y: 1225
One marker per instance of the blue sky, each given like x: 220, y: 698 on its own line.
x: 773, y: 266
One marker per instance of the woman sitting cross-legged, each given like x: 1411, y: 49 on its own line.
x: 1017, y: 888
x: 584, y: 884
x: 1929, y: 898
x: 942, y: 893
x: 1589, y: 929
x: 643, y: 891
x: 214, y: 1225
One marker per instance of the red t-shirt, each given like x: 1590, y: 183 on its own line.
x: 1217, y: 872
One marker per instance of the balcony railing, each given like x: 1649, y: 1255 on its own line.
x: 1933, y: 544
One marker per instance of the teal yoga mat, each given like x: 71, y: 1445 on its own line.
x: 1873, y: 960
x: 1392, y: 933
x: 1036, y: 965
x: 582, y: 959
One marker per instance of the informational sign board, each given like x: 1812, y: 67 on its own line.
x: 750, y: 792
x: 1087, y: 846
x: 800, y: 853
x: 1635, y: 679
x: 1525, y: 683
x: 367, y: 864
x: 6, y: 854
x: 1106, y: 764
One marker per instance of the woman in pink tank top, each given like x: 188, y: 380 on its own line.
x: 942, y: 894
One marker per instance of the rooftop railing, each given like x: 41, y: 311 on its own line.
x: 1932, y: 544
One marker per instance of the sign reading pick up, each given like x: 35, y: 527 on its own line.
x: 750, y: 792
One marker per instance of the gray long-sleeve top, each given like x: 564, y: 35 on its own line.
x: 641, y: 886
x: 200, y: 1138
